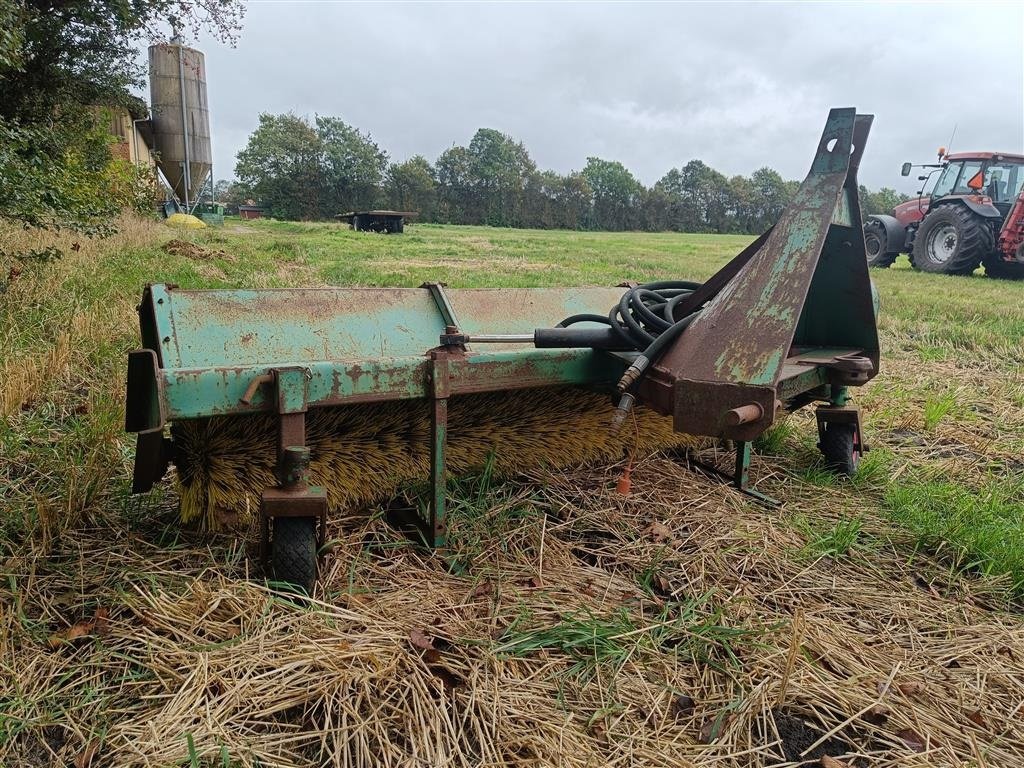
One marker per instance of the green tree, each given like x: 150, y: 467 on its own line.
x: 455, y: 186
x: 56, y: 54
x: 281, y: 165
x: 880, y: 201
x: 616, y: 195
x: 499, y: 168
x: 304, y: 170
x: 231, y: 193
x: 742, y: 208
x: 574, y: 197
x: 412, y: 186
x: 352, y: 167
x: 770, y: 196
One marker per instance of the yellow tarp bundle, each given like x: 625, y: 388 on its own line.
x: 185, y: 220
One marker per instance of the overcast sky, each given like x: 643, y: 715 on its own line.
x: 653, y: 85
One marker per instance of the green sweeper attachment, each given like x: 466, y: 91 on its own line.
x: 297, y: 402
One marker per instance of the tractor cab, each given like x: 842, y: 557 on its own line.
x: 978, y: 175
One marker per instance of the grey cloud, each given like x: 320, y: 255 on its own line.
x: 652, y: 85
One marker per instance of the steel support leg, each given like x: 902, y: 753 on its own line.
x: 435, y: 530
x: 436, y: 533
x: 740, y: 477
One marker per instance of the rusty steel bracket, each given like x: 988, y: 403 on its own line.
x: 799, y: 288
x: 293, y: 496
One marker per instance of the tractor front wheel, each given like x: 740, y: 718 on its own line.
x: 876, y: 244
x: 293, y: 551
x: 951, y: 241
x: 839, y: 447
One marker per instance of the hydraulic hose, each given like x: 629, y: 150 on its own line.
x: 643, y: 320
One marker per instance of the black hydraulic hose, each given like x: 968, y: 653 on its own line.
x: 643, y: 320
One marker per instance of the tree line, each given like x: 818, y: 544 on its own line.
x: 298, y: 168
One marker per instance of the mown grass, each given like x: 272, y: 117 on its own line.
x: 981, y: 529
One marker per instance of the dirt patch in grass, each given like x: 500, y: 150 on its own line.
x: 195, y: 251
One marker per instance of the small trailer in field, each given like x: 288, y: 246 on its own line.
x: 377, y: 221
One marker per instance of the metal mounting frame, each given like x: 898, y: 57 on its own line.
x: 293, y: 496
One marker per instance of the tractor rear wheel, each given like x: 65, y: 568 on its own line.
x: 293, y: 551
x: 951, y: 241
x: 876, y: 244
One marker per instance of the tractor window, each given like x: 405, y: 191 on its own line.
x: 947, y: 180
x: 970, y: 169
x: 1003, y: 181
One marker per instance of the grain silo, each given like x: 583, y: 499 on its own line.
x: 181, y: 117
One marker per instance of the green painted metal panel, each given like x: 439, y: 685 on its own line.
x: 355, y: 345
x: 196, y: 393
x: 218, y: 328
x: 249, y: 327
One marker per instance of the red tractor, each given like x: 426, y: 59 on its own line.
x: 973, y: 215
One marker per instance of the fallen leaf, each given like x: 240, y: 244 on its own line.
x: 682, y: 706
x: 911, y: 689
x: 79, y: 630
x: 84, y: 758
x: 976, y: 718
x: 911, y: 739
x: 661, y: 585
x: 833, y: 762
x: 449, y: 680
x: 878, y: 714
x: 659, y: 532
x: 714, y: 727
x: 421, y: 640
x: 482, y: 589
x: 101, y: 620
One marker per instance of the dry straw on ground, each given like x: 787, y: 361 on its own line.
x: 567, y: 626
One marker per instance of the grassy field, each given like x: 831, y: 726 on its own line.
x: 875, y: 620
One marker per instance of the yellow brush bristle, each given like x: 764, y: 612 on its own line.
x: 365, y: 453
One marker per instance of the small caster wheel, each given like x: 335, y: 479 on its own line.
x: 293, y: 551
x: 840, y: 448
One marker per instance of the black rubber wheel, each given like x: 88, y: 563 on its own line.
x: 1002, y: 269
x: 293, y: 551
x: 876, y: 241
x: 951, y: 241
x: 839, y: 447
